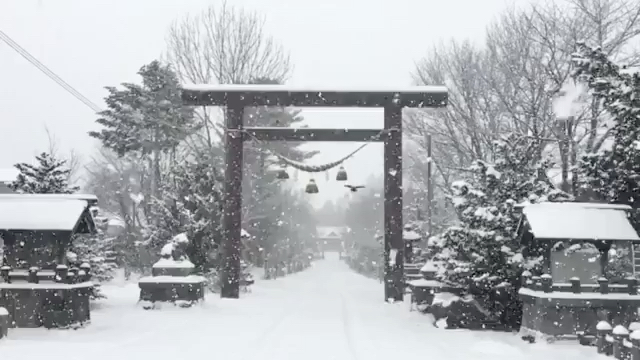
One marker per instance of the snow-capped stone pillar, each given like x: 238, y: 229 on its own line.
x: 4, y: 273
x: 635, y: 341
x: 603, y: 330
x: 4, y: 322
x: 620, y: 335
x: 393, y: 242
x: 232, y: 214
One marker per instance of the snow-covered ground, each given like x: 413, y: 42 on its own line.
x: 326, y: 312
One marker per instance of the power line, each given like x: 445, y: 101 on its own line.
x: 40, y: 66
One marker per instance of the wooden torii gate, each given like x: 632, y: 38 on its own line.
x: 235, y: 98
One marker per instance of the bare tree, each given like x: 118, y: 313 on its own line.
x: 511, y: 84
x: 72, y: 158
x: 224, y: 44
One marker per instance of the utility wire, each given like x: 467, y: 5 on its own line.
x: 35, y: 62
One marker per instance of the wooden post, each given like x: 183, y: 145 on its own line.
x: 547, y: 283
x: 33, y: 275
x: 632, y: 285
x: 232, y: 214
x: 394, y: 284
x: 61, y: 273
x: 429, y: 187
x: 575, y: 285
x: 603, y: 285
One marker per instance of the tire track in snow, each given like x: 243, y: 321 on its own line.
x: 348, y: 329
x: 261, y: 341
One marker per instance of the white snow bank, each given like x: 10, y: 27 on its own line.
x: 191, y: 279
x: 170, y: 263
x: 579, y: 222
x: 28, y: 213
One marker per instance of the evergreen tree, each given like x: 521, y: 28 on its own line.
x: 48, y: 176
x: 612, y: 175
x: 97, y: 251
x: 147, y: 117
x: 148, y: 120
x: 482, y: 251
x: 191, y: 205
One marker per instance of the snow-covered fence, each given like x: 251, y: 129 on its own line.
x: 619, y: 342
x: 564, y: 310
x: 545, y: 284
x: 27, y: 296
x: 62, y: 274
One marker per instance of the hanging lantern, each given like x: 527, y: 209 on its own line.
x: 282, y: 174
x: 312, y: 187
x: 342, y: 174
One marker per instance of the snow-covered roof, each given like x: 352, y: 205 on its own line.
x: 580, y: 221
x: 92, y: 199
x: 39, y: 214
x: 289, y: 88
x: 330, y: 232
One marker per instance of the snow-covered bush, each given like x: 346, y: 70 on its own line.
x: 97, y: 251
x: 482, y: 254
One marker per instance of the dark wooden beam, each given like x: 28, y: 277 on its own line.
x: 306, y: 134
x: 393, y: 274
x: 232, y: 214
x: 282, y: 95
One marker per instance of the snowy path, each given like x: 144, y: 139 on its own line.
x: 326, y: 312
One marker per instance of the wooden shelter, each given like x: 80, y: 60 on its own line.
x: 38, y: 288
x: 574, y: 241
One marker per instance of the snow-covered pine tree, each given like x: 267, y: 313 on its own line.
x: 482, y: 251
x: 48, y: 176
x: 146, y: 117
x: 191, y: 204
x: 613, y: 175
x: 96, y: 250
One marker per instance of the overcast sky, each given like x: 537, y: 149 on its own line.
x: 93, y: 43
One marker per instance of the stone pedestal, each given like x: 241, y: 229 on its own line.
x: 171, y: 282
